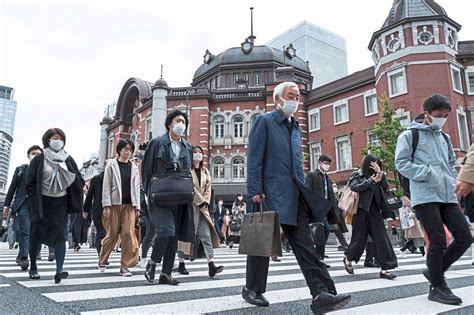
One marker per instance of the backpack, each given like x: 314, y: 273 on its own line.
x: 405, y: 182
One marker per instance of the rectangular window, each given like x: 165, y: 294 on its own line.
x: 316, y: 150
x: 238, y: 171
x: 372, y: 139
x: 247, y: 78
x: 397, y: 82
x: 110, y: 149
x: 236, y: 78
x: 256, y: 78
x: 456, y: 77
x: 463, y: 130
x: 470, y: 82
x: 314, y: 120
x: 148, y: 132
x: 341, y: 113
x: 219, y: 130
x: 370, y: 104
x: 343, y: 153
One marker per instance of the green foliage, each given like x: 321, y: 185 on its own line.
x: 386, y: 130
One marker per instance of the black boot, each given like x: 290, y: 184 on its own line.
x: 213, y: 270
x: 182, y: 269
x: 150, y: 272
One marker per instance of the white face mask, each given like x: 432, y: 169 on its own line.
x: 438, y: 121
x: 179, y: 128
x: 240, y: 198
x: 334, y: 188
x: 221, y: 203
x: 56, y: 145
x: 325, y: 167
x: 288, y: 107
x: 197, y: 157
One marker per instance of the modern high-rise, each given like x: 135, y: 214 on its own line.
x: 7, y: 124
x: 323, y: 50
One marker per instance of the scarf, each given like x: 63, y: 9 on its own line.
x: 62, y: 178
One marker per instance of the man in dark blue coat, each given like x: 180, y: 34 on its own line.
x: 17, y: 202
x: 275, y: 172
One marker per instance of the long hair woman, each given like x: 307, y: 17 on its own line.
x: 369, y: 182
x: 54, y: 186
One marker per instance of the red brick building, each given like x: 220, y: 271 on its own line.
x: 416, y: 53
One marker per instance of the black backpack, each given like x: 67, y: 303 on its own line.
x: 405, y: 182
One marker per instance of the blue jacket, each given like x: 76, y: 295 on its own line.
x: 431, y: 172
x: 275, y: 168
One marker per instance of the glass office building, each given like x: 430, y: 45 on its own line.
x: 324, y: 50
x: 7, y: 125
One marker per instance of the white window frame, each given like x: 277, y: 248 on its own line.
x: 111, y: 147
x: 469, y: 70
x: 313, y: 159
x: 148, y: 129
x: 377, y: 142
x: 312, y: 127
x: 337, y: 105
x: 338, y: 161
x: 239, y: 167
x: 372, y: 93
x: 392, y: 73
x: 220, y: 168
x: 215, y: 124
x: 453, y: 69
x: 234, y: 125
x: 256, y: 78
x: 236, y: 78
x: 400, y: 114
x: 461, y: 112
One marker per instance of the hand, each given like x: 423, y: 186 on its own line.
x: 258, y: 198
x: 462, y: 189
x: 5, y: 211
x: 137, y: 212
x: 85, y: 215
x: 377, y: 177
x: 106, y: 212
x: 375, y: 166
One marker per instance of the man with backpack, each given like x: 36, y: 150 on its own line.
x: 425, y: 156
x: 16, y: 202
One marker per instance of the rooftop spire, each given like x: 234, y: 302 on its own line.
x: 161, y: 76
x: 251, y: 37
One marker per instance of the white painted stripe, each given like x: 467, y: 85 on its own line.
x: 4, y: 285
x: 413, y: 305
x: 282, y: 296
x: 197, y: 285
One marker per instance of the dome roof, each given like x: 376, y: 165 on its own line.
x: 161, y: 83
x: 402, y: 9
x: 263, y: 53
x: 107, y: 120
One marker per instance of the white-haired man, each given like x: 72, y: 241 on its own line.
x: 275, y: 172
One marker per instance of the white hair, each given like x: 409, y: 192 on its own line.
x: 280, y: 89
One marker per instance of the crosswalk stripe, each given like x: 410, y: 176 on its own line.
x: 4, y: 285
x: 195, y: 285
x: 418, y: 304
x: 236, y: 301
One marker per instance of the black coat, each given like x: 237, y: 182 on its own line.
x: 93, y: 202
x: 156, y: 159
x: 315, y: 182
x: 16, y: 196
x: 366, y: 188
x: 34, y: 187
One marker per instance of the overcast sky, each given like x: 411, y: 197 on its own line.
x: 68, y: 59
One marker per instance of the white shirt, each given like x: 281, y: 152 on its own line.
x: 176, y: 147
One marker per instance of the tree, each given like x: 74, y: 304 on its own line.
x: 386, y: 131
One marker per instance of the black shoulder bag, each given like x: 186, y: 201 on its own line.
x: 173, y: 187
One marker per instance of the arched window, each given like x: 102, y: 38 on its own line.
x: 219, y: 127
x: 238, y: 126
x: 218, y: 168
x: 238, y: 167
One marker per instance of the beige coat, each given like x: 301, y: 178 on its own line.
x: 112, y: 187
x: 202, y: 193
x: 467, y: 170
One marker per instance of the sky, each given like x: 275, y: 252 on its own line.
x: 68, y: 59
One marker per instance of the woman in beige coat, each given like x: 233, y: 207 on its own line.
x: 205, y: 231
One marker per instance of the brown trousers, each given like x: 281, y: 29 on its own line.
x: 121, y: 222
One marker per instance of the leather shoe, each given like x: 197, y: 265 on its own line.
x: 254, y: 298
x: 167, y: 279
x: 326, y: 302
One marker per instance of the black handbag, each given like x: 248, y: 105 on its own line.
x: 173, y: 187
x: 260, y: 234
x: 235, y: 223
x: 390, y: 204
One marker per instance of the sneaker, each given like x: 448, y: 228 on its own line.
x: 441, y: 295
x: 101, y: 267
x: 402, y: 255
x: 124, y: 272
x: 143, y: 262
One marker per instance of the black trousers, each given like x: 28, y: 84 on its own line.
x: 321, y: 249
x: 439, y: 258
x: 99, y: 236
x: 371, y: 223
x: 316, y: 275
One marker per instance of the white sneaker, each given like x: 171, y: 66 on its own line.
x: 143, y: 262
x: 402, y: 255
x: 423, y: 258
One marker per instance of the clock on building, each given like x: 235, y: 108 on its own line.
x: 291, y: 51
x: 247, y: 46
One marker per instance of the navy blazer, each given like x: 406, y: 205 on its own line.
x: 275, y: 168
x: 16, y: 196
